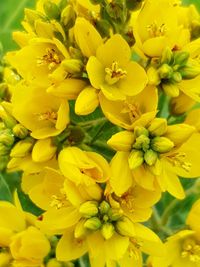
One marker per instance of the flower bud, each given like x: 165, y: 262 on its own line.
x: 190, y: 71
x: 135, y: 159
x: 6, y: 137
x: 89, y: 208
x: 167, y: 56
x: 181, y: 58
x: 80, y: 229
x: 51, y: 10
x: 104, y: 207
x: 32, y: 15
x: 165, y: 71
x: 150, y: 157
x: 5, y: 259
x: 68, y: 17
x: 3, y: 162
x: 20, y: 131
x: 93, y: 223
x: 3, y: 90
x: 115, y: 214
x: 142, y: 142
x: 43, y: 150
x: 72, y: 65
x: 54, y: 263
x: 158, y: 127
x: 125, y: 227
x: 103, y: 27
x: 153, y: 76
x: 171, y: 89
x: 133, y: 4
x: 4, y: 150
x: 22, y: 148
x: 181, y: 104
x: 107, y: 230
x: 176, y: 77
x: 139, y: 130
x: 8, y: 120
x: 161, y: 144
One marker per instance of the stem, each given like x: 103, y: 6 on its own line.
x: 81, y: 262
x: 92, y: 122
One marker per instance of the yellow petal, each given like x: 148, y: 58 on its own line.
x: 43, y: 150
x: 144, y: 178
x: 116, y: 247
x: 87, y: 101
x: 69, y: 248
x: 122, y: 141
x: 96, y: 72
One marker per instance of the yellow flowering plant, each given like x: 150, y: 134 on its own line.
x: 100, y: 135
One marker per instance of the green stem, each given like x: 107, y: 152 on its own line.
x: 91, y: 122
x: 82, y: 262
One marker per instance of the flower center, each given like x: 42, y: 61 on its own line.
x: 51, y: 59
x: 191, y: 250
x: 48, y: 116
x: 114, y: 74
x: 156, y: 30
x: 59, y: 201
x: 132, y: 109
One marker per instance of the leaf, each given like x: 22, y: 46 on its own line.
x: 5, y: 193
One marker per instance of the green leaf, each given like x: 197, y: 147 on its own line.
x: 5, y: 193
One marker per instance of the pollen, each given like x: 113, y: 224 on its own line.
x: 132, y: 109
x: 178, y: 160
x: 48, y: 116
x: 156, y: 30
x: 58, y: 201
x: 191, y: 250
x: 51, y: 59
x: 115, y: 73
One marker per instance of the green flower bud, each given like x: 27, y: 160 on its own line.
x: 103, y: 26
x: 134, y: 4
x: 96, y: 2
x: 153, y: 76
x: 165, y: 71
x: 158, y: 127
x: 3, y: 90
x: 89, y: 209
x: 167, y: 56
x: 22, y: 148
x: 190, y: 71
x: 68, y: 17
x: 104, y: 207
x: 3, y: 161
x: 6, y: 137
x: 51, y: 10
x: 93, y: 223
x: 181, y: 58
x: 142, y: 142
x: 115, y: 214
x: 161, y: 144
x: 32, y: 15
x: 139, y: 130
x: 176, y: 77
x: 125, y: 227
x: 107, y: 230
x: 8, y: 120
x: 171, y: 89
x: 150, y: 157
x: 63, y: 4
x: 20, y: 131
x: 72, y: 65
x: 135, y: 159
x: 4, y: 150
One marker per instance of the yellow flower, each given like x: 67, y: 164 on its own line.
x: 156, y: 27
x: 181, y: 104
x: 133, y: 111
x: 29, y: 247
x: 193, y: 118
x: 46, y: 116
x: 182, y: 249
x: 36, y: 61
x: 193, y: 218
x: 113, y: 72
x: 157, y: 154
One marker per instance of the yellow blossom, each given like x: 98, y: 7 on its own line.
x: 112, y: 71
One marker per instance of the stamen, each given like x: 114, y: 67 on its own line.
x: 114, y: 74
x: 191, y: 250
x: 51, y: 59
x: 133, y: 110
x: 155, y: 30
x: 48, y: 116
x: 178, y: 160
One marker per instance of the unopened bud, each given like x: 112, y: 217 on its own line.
x: 8, y: 120
x: 93, y: 223
x: 68, y: 17
x: 89, y: 208
x: 142, y: 142
x: 133, y: 4
x: 115, y: 214
x: 158, y: 127
x: 161, y: 144
x: 51, y: 9
x: 104, y: 207
x: 165, y: 71
x: 190, y: 71
x: 20, y: 131
x: 107, y: 230
x: 103, y: 27
x: 171, y: 89
x: 167, y: 56
x: 3, y: 90
x: 135, y: 159
x: 54, y: 263
x: 3, y: 162
x: 32, y: 15
x: 6, y: 137
x: 22, y: 148
x: 181, y: 58
x: 153, y: 76
x: 139, y: 130
x: 150, y: 157
x: 4, y: 150
x: 43, y: 150
x: 125, y: 227
x: 80, y: 229
x: 72, y: 65
x: 176, y: 77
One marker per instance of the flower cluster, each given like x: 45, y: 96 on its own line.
x: 97, y: 113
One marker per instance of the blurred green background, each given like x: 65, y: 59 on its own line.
x: 11, y: 13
